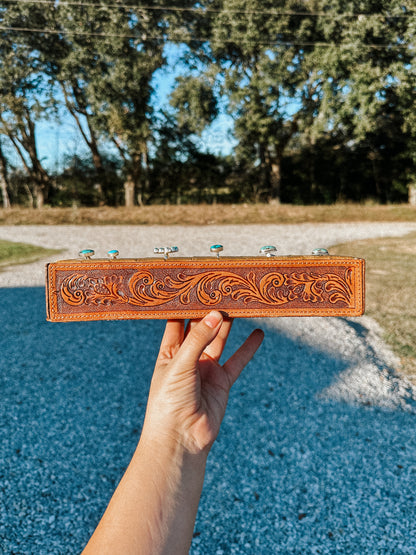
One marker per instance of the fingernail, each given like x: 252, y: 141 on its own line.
x: 213, y: 319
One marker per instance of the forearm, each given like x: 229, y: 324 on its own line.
x: 153, y: 509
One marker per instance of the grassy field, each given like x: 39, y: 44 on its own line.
x: 391, y: 291
x: 210, y: 214
x: 21, y: 253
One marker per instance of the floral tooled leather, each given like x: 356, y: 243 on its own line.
x: 150, y: 288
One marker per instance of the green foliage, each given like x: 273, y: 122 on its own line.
x: 180, y: 174
x: 77, y: 184
x: 257, y: 49
x: 24, y: 91
x: 195, y: 102
x: 321, y: 94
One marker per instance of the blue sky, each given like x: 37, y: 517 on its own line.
x: 55, y: 140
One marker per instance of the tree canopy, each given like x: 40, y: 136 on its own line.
x: 321, y: 95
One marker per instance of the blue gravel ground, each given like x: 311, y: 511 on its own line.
x: 292, y: 471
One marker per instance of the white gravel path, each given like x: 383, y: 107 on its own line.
x: 317, y: 453
x: 138, y: 241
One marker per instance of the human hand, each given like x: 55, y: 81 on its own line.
x: 154, y: 507
x: 190, y: 388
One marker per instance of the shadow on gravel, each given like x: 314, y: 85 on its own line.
x: 290, y: 473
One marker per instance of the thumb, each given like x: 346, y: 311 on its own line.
x: 199, y: 338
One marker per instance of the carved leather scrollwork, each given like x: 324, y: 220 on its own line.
x: 208, y: 288
x: 79, y: 289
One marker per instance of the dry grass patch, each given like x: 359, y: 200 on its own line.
x: 391, y: 291
x: 218, y: 214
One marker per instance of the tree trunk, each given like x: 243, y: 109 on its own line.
x: 134, y: 182
x: 377, y: 176
x: 3, y: 180
x: 140, y: 198
x: 138, y: 178
x: 129, y: 192
x: 273, y: 164
x: 313, y: 186
x: 75, y: 104
x: 42, y: 184
x: 38, y: 173
x: 145, y: 173
x: 275, y: 182
x: 29, y: 195
x: 4, y: 194
x: 40, y: 197
x: 412, y: 195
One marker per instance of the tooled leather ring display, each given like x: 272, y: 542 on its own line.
x: 190, y: 287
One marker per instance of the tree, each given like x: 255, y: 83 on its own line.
x: 4, y: 180
x: 77, y: 183
x: 178, y: 172
x: 23, y: 91
x: 309, y: 84
x: 299, y: 73
x: 367, y: 73
x: 262, y: 53
x: 105, y: 72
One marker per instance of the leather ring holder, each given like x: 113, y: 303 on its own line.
x: 81, y: 290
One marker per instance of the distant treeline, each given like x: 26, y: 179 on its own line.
x: 322, y: 95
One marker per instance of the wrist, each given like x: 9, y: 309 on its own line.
x: 165, y: 443
x: 175, y: 428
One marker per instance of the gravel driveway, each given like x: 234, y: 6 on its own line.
x: 317, y: 453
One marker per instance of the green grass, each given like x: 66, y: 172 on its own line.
x: 391, y: 291
x: 21, y: 253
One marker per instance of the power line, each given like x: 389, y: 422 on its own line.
x: 186, y: 39
x: 203, y: 10
x: 67, y: 32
